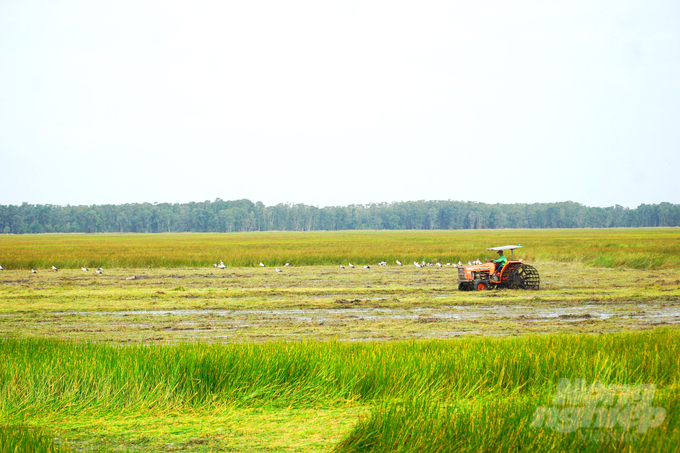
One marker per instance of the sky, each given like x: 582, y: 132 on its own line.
x: 342, y: 102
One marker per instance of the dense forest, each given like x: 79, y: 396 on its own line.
x: 244, y: 215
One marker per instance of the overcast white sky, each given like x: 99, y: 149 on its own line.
x: 339, y: 102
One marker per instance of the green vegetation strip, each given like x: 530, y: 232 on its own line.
x: 647, y: 248
x: 475, y: 394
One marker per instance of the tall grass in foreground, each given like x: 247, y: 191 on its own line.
x: 36, y: 374
x: 635, y: 248
x: 474, y: 394
x: 20, y: 439
x: 495, y: 424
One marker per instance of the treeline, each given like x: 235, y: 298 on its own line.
x: 244, y: 215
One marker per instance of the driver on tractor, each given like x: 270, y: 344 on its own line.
x: 500, y: 262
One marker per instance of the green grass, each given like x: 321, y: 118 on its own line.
x: 17, y: 439
x: 494, y: 424
x: 634, y: 248
x: 477, y: 389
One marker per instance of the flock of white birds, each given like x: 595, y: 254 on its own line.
x: 56, y: 269
x: 221, y: 265
x: 438, y: 264
x: 224, y: 266
x: 420, y: 265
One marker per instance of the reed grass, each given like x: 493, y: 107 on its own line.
x: 455, y: 391
x: 67, y: 375
x: 643, y: 248
x: 20, y: 439
x: 494, y: 424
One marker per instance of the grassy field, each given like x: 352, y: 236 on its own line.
x: 633, y: 248
x: 164, y: 352
x: 326, y: 302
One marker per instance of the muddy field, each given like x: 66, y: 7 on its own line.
x: 326, y: 302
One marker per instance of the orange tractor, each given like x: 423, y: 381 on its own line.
x: 514, y: 274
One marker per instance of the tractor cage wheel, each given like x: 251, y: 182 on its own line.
x: 524, y: 277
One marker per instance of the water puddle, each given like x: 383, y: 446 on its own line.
x: 355, y: 313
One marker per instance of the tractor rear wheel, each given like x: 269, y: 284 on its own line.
x: 525, y: 277
x: 481, y: 285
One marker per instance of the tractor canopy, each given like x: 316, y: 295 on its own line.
x: 506, y: 247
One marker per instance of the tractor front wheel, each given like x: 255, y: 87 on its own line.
x: 481, y: 285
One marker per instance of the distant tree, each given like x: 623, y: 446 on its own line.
x: 244, y: 215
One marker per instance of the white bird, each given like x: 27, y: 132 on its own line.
x: 439, y: 264
x: 417, y: 265
x: 342, y: 267
x: 2, y: 268
x: 286, y: 265
x: 469, y: 263
x: 423, y: 264
x: 460, y: 264
x: 54, y: 268
x: 278, y: 270
x: 367, y: 267
x: 351, y: 265
x: 99, y: 271
x: 382, y: 263
x: 215, y: 265
x: 84, y: 269
x: 399, y: 262
x: 455, y: 265
x: 261, y: 265
x: 222, y: 265
x: 448, y: 264
x: 33, y: 270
